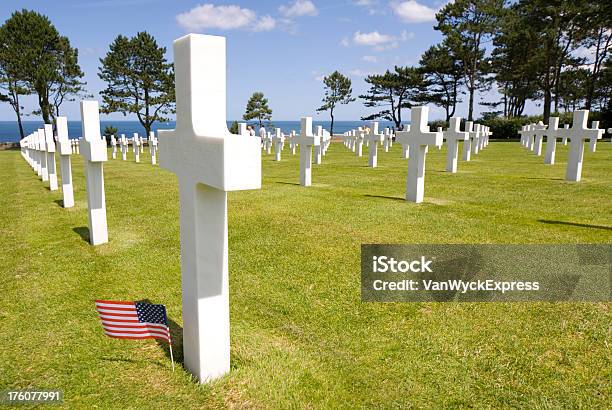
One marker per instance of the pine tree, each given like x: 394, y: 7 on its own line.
x: 338, y: 90
x: 257, y: 108
x: 139, y: 80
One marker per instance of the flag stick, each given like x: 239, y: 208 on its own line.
x: 171, y: 356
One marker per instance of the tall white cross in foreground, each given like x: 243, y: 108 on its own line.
x: 94, y: 154
x: 577, y: 134
x: 453, y: 135
x: 64, y: 149
x: 209, y: 162
x: 418, y: 140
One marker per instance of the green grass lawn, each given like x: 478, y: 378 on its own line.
x: 301, y: 337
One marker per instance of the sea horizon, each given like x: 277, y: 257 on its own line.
x: 9, y: 130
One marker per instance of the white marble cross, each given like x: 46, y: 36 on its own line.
x: 452, y: 136
x: 359, y: 141
x: 242, y: 129
x: 123, y: 143
x: 209, y: 162
x: 113, y: 142
x: 405, y: 147
x: 595, y: 137
x: 577, y: 134
x: 279, y: 140
x: 374, y: 138
x: 418, y: 140
x: 318, y: 149
x: 36, y: 152
x: 153, y: 147
x: 483, y: 137
x: 51, y: 168
x: 136, y: 146
x: 306, y: 140
x: 65, y: 150
x: 42, y: 148
x: 552, y: 133
x: 387, y: 141
x: 94, y: 155
x: 539, y: 130
x: 475, y: 136
x: 292, y: 142
x: 523, y: 135
x: 467, y: 144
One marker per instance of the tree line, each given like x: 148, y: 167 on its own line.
x: 527, y: 50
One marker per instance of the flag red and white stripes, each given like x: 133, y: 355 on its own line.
x: 133, y: 320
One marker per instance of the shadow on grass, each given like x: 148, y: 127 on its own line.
x: 608, y: 228
x: 546, y: 179
x: 395, y: 198
x: 83, y: 232
x: 59, y: 202
x: 286, y: 183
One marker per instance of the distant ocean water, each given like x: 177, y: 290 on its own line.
x: 9, y: 130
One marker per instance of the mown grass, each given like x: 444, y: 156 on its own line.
x: 301, y: 337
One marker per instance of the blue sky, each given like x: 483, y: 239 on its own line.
x: 282, y: 48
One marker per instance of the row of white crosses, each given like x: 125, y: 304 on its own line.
x: 137, y: 146
x: 415, y: 141
x: 532, y: 136
x: 39, y: 149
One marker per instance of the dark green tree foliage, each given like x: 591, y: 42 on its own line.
x: 603, y: 90
x: 573, y: 86
x: 138, y: 79
x: 234, y: 129
x: 338, y: 90
x: 34, y: 57
x: 257, y: 109
x: 393, y: 91
x: 516, y: 76
x: 597, y: 23
x: 12, y: 84
x: 68, y: 84
x: 555, y: 26
x: 467, y: 25
x: 108, y: 131
x: 443, y: 74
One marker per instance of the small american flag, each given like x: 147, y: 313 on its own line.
x: 133, y: 320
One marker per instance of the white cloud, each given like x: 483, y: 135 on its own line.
x: 344, y: 42
x: 319, y: 78
x: 265, y: 23
x: 224, y: 18
x: 373, y: 38
x: 370, y: 59
x: 380, y: 41
x: 411, y: 11
x: 299, y: 8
